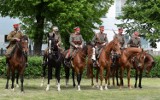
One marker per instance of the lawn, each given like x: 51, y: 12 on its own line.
x: 33, y: 91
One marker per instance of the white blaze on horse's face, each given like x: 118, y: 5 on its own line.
x: 25, y: 45
x: 50, y: 46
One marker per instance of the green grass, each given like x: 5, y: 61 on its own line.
x: 33, y: 91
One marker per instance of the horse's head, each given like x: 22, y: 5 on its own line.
x: 140, y: 58
x: 115, y: 46
x: 149, y: 62
x: 24, y: 43
x: 52, y: 45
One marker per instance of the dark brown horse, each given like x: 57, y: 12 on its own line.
x: 148, y: 64
x: 104, y: 61
x: 18, y: 62
x: 125, y: 62
x: 52, y: 59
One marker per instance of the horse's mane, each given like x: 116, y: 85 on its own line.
x: 147, y: 58
x: 24, y: 37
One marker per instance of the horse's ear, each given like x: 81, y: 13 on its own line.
x: 142, y: 50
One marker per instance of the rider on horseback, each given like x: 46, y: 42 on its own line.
x: 56, y: 36
x: 14, y: 36
x: 76, y: 41
x: 99, y: 40
x: 134, y: 40
x: 121, y: 39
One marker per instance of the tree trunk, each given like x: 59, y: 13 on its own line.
x: 38, y: 34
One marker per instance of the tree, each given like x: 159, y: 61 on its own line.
x: 144, y: 16
x: 38, y: 16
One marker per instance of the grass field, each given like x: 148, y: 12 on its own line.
x: 33, y: 91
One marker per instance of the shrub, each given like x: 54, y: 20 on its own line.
x: 34, y: 68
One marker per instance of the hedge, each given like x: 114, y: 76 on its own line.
x: 34, y: 69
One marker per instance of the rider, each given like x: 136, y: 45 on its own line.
x: 121, y: 39
x: 56, y: 35
x: 13, y: 37
x: 99, y: 40
x: 76, y: 41
x: 134, y: 40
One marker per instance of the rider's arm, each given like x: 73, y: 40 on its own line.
x: 71, y: 40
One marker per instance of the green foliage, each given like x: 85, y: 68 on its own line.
x: 38, y: 16
x: 34, y: 69
x: 142, y: 16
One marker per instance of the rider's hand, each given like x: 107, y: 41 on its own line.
x: 17, y: 39
x: 103, y: 43
x: 81, y: 46
x: 76, y: 46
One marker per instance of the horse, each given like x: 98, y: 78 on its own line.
x: 125, y: 62
x: 91, y: 65
x: 67, y: 67
x: 52, y: 59
x: 78, y: 63
x: 104, y: 61
x: 148, y: 64
x: 18, y: 62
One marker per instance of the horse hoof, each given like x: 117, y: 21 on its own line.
x: 101, y: 88
x: 41, y: 85
x: 79, y: 88
x: 47, y: 89
x: 130, y: 87
x: 13, y: 89
x: 106, y: 88
x: 17, y: 85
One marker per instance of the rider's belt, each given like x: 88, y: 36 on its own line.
x: 77, y: 42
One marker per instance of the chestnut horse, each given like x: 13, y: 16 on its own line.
x: 105, y: 60
x: 125, y: 62
x: 78, y: 63
x: 18, y: 62
x: 148, y: 64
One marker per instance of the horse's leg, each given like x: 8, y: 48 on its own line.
x: 8, y: 76
x: 57, y: 74
x: 117, y: 72
x: 67, y: 70
x: 140, y: 78
x: 44, y: 74
x: 113, y: 75
x: 107, y: 77
x: 17, y: 77
x: 22, y: 80
x: 79, y: 75
x: 13, y: 78
x: 101, y: 77
x: 128, y: 77
x: 49, y: 76
x: 97, y: 73
x: 91, y: 74
x: 121, y: 76
x: 136, y: 78
x: 73, y: 75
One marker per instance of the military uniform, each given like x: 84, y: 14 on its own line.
x: 120, y: 39
x: 57, y: 39
x: 134, y: 42
x: 11, y: 37
x: 75, y: 39
x: 98, y: 40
